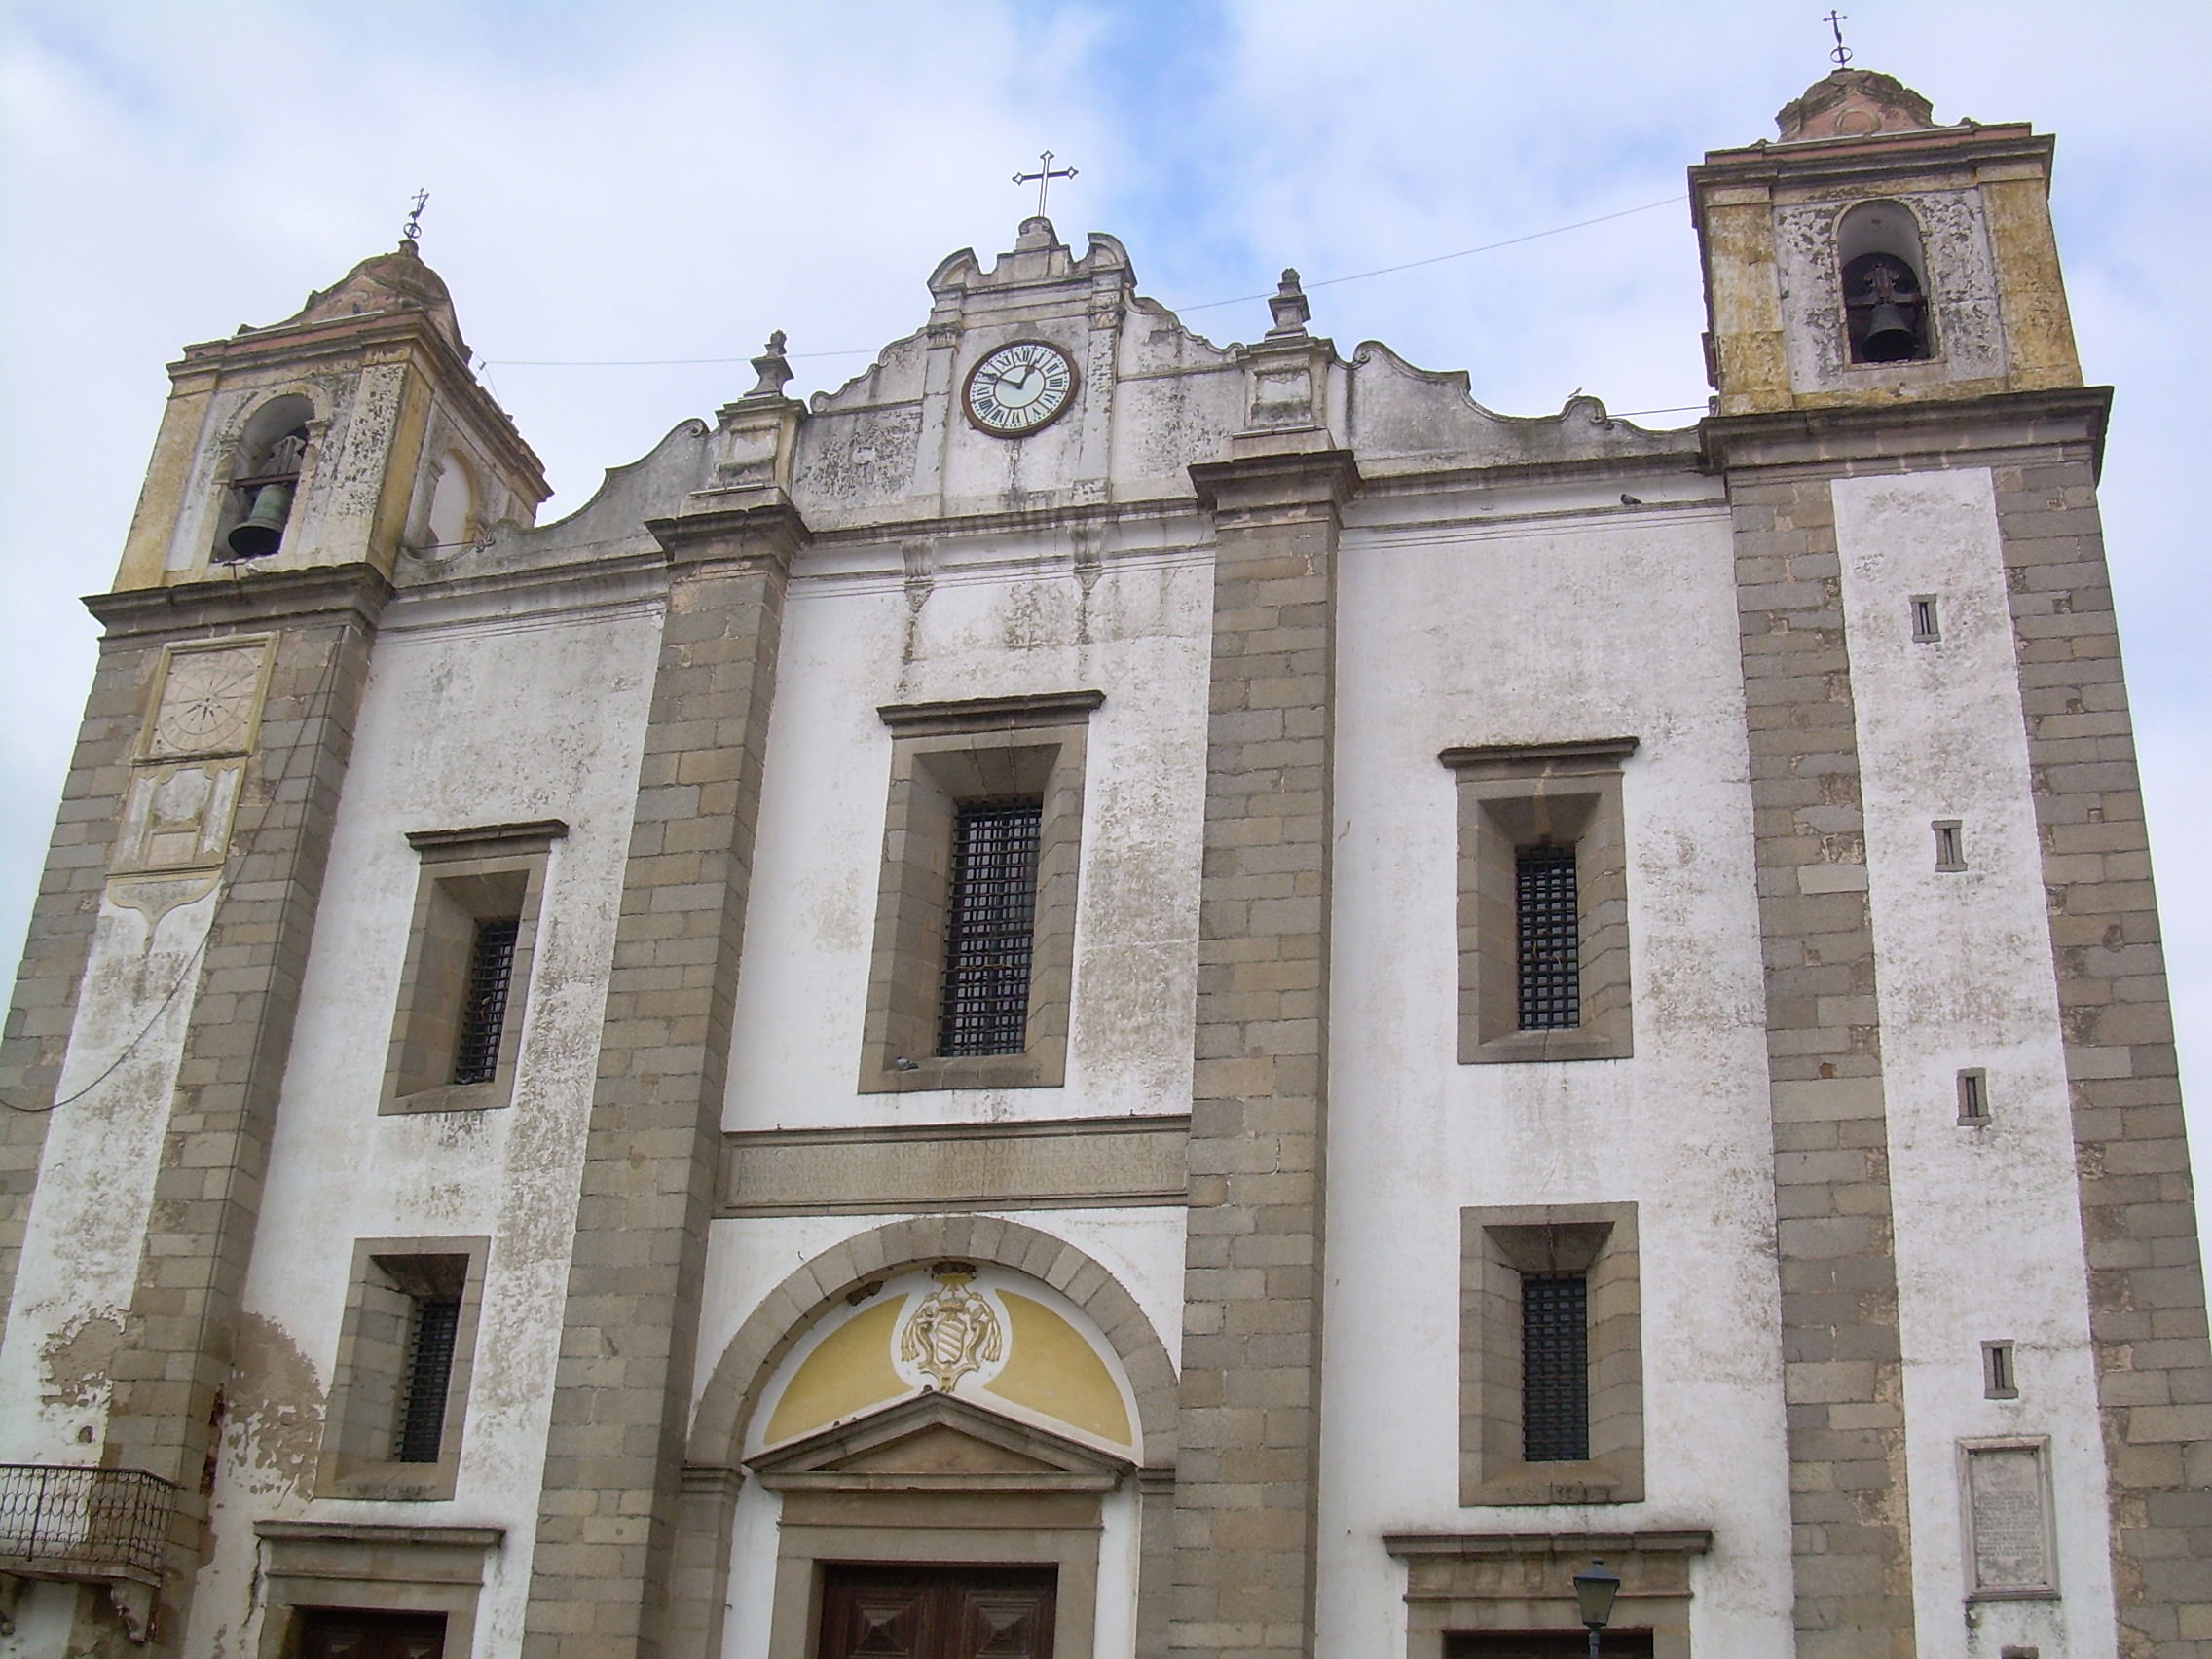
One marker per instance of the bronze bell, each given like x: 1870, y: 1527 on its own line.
x: 1890, y: 337
x: 263, y: 528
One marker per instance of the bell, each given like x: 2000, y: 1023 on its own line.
x: 1889, y: 338
x: 264, y: 527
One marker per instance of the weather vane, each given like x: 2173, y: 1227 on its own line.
x: 1835, y: 21
x: 1043, y: 177
x: 413, y: 229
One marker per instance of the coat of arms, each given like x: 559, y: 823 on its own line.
x: 953, y: 1331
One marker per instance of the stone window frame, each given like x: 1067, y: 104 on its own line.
x: 466, y: 876
x: 361, y: 1421
x: 942, y: 753
x: 1514, y: 794
x: 1478, y: 1582
x: 370, y: 1567
x: 1497, y: 1245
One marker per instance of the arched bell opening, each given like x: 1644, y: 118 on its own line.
x: 1887, y: 315
x: 265, y: 479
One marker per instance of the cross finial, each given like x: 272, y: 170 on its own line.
x: 1835, y: 21
x: 1043, y: 177
x: 413, y: 229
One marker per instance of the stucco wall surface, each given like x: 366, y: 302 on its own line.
x: 502, y: 720
x: 1573, y: 622
x: 1134, y: 627
x: 1988, y: 1223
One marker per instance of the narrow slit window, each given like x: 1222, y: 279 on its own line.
x: 1555, y: 1368
x: 1950, y: 845
x: 1999, y: 1381
x: 436, y: 1324
x: 484, y: 1016
x: 990, y: 929
x: 1973, y: 1095
x: 1927, y: 625
x: 1549, y: 930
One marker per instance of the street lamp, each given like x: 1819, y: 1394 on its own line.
x: 1594, y: 1593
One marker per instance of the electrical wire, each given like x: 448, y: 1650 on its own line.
x: 1209, y: 304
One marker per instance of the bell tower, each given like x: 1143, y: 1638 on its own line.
x: 1871, y: 257
x: 339, y: 436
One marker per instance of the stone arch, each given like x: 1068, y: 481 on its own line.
x: 733, y: 1393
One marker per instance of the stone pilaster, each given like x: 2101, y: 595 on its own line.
x: 600, y: 1577
x: 1843, y: 1373
x: 1249, y: 1423
x: 2147, y: 1309
x: 171, y: 1366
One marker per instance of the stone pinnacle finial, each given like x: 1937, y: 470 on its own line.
x: 1289, y: 306
x: 774, y: 370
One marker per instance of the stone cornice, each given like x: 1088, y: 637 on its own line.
x: 1684, y: 1541
x: 1829, y: 162
x: 990, y: 714
x: 1521, y: 760
x: 251, y: 599
x: 1284, y: 478
x: 1834, y: 438
x: 754, y: 525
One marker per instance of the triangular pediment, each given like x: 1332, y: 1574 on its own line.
x: 936, y: 1442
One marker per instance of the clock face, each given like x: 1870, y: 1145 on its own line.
x: 1019, y: 387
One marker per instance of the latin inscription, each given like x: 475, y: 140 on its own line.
x: 2009, y: 1520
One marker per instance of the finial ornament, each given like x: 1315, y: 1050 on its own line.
x: 1043, y: 177
x: 774, y: 370
x: 1835, y: 21
x: 1288, y: 303
x: 412, y: 231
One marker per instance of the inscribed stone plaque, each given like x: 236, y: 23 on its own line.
x: 2009, y: 1520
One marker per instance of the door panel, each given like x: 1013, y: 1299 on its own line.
x: 935, y: 1612
x: 344, y: 1633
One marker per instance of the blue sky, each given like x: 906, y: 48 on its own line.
x: 666, y: 180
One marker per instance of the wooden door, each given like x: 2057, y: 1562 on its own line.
x: 344, y: 1632
x: 936, y: 1613
x: 1546, y: 1644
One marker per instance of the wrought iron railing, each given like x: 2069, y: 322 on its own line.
x: 55, y: 1521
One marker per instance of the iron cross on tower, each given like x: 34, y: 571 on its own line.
x: 1043, y: 177
x: 1835, y: 21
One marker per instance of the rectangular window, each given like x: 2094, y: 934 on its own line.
x: 433, y: 1328
x: 1924, y: 626
x: 1548, y: 930
x: 1973, y: 1095
x: 990, y: 913
x: 1555, y: 1368
x: 1551, y: 1364
x: 1543, y: 901
x: 973, y: 962
x: 406, y: 1349
x: 1997, y: 1382
x: 456, y: 1033
x: 484, y: 1015
x: 1950, y: 845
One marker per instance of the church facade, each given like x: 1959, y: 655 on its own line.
x: 1105, y: 995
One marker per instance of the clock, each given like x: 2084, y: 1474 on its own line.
x: 1021, y: 387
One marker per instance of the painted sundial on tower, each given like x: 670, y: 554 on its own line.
x: 207, y: 701
x: 1022, y: 386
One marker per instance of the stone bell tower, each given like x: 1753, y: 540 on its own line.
x: 1955, y: 899
x: 300, y: 470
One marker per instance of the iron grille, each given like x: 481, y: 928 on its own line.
x: 1555, y: 1368
x: 1550, y: 931
x: 491, y: 970
x: 989, y: 928
x: 429, y: 1368
x: 54, y: 1519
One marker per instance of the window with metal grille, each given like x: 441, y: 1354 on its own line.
x: 491, y: 972
x: 989, y: 928
x: 1549, y: 927
x: 1555, y: 1368
x: 436, y: 1324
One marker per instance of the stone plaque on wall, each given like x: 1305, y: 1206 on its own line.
x: 2010, y: 1550
x: 209, y: 700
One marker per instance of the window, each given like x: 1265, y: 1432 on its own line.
x: 1551, y: 1355
x: 456, y: 1035
x: 1950, y: 845
x: 983, y: 1005
x: 1997, y: 1382
x: 1543, y: 901
x: 1973, y: 1095
x: 405, y: 1351
x: 974, y: 926
x: 1926, y: 624
x: 360, y: 1589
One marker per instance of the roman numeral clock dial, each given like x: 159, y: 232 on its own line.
x: 1018, y: 388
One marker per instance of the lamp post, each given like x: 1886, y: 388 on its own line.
x: 1594, y: 1593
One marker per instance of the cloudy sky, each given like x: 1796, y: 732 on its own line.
x: 654, y: 181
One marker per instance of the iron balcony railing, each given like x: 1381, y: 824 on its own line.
x: 58, y: 1522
